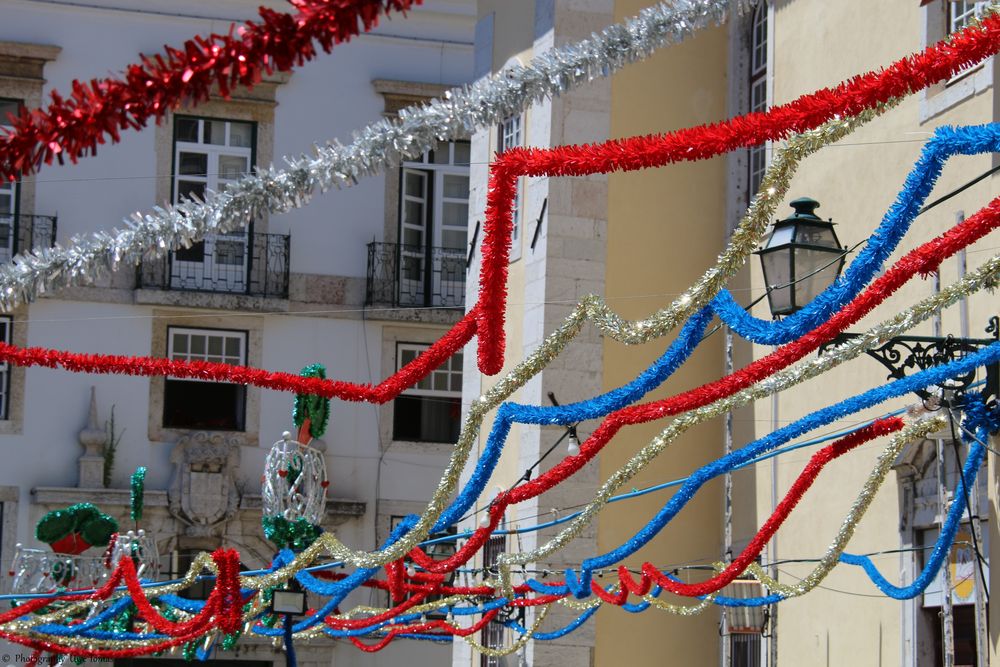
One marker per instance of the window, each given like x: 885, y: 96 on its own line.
x: 6, y: 323
x: 208, y: 154
x: 433, y: 227
x: 491, y: 636
x: 510, y: 136
x: 8, y: 190
x: 758, y: 92
x: 431, y: 411
x: 962, y: 12
x: 199, y: 404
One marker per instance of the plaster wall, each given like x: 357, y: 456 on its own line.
x: 665, y: 227
x: 856, y: 181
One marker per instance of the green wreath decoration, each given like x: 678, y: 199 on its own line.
x: 315, y: 408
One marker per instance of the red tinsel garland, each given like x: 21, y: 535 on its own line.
x: 486, y: 318
x: 936, y: 63
x: 920, y: 261
x: 71, y: 127
x: 652, y: 574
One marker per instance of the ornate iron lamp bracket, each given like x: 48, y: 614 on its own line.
x: 905, y: 355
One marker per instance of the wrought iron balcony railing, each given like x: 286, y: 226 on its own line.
x: 405, y: 275
x: 20, y: 233
x: 239, y: 263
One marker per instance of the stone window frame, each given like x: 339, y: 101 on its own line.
x: 965, y: 85
x: 398, y: 95
x: 254, y: 106
x: 226, y: 334
x: 392, y: 335
x: 9, y: 496
x: 163, y: 320
x: 22, y: 78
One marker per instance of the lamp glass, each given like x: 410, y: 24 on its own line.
x: 816, y: 270
x: 288, y: 602
x: 777, y: 265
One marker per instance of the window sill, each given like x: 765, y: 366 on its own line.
x: 965, y: 85
x: 210, y: 300
x: 240, y: 438
x: 421, y: 447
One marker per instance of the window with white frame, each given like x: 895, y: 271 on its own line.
x: 431, y: 410
x: 758, y: 93
x: 511, y: 135
x: 6, y: 323
x: 208, y: 154
x: 201, y: 404
x: 8, y: 189
x: 962, y: 12
x: 433, y: 227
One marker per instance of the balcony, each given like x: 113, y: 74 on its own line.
x: 415, y: 276
x: 239, y: 263
x: 20, y: 233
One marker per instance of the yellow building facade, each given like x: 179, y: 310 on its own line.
x: 641, y: 238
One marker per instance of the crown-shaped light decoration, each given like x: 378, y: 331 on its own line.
x: 293, y: 493
x: 141, y: 548
x: 45, y: 571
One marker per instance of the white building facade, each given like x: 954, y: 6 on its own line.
x: 360, y: 280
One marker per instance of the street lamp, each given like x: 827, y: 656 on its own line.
x: 801, y: 258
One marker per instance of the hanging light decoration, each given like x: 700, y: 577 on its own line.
x: 293, y: 493
x: 139, y: 546
x: 45, y: 571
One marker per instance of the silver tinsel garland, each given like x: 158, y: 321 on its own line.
x: 375, y: 148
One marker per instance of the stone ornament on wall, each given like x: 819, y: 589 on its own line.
x: 203, y: 494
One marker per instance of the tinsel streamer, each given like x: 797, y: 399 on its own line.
x: 137, y: 484
x: 651, y: 574
x: 379, y: 145
x: 944, y: 144
x: 777, y: 178
x: 417, y: 369
x: 634, y: 153
x: 919, y: 261
x: 97, y: 111
x: 154, y: 234
x: 779, y: 382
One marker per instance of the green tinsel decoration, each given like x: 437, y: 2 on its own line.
x: 138, y: 485
x: 316, y: 408
x: 296, y: 535
x: 190, y: 651
x: 91, y: 524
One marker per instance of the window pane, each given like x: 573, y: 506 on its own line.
x: 241, y: 135
x: 455, y: 215
x: 453, y: 239
x: 413, y: 184
x: 190, y: 190
x: 456, y: 187
x: 192, y: 164
x: 215, y: 132
x: 204, y: 405
x: 413, y: 213
x: 180, y: 343
x: 440, y: 155
x: 440, y: 382
x: 215, y: 345
x: 233, y: 348
x: 463, y: 153
x: 6, y: 203
x: 232, y: 166
x: 425, y: 419
x: 187, y: 130
x: 229, y: 253
x: 406, y: 356
x: 198, y: 345
x: 9, y: 108
x: 196, y: 253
